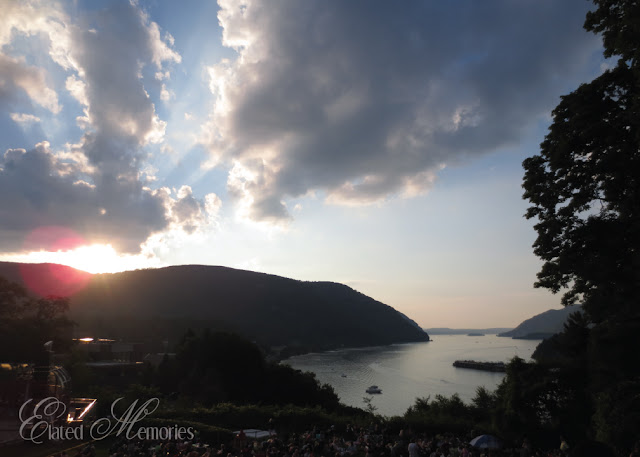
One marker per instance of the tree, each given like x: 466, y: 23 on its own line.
x: 26, y: 323
x: 219, y: 366
x: 619, y: 23
x: 584, y: 190
x: 368, y: 405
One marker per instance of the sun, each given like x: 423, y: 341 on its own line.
x: 64, y: 246
x: 94, y: 258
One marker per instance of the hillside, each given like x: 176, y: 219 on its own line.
x: 542, y: 325
x: 44, y: 279
x: 160, y: 304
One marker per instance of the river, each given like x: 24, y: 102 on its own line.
x: 405, y: 372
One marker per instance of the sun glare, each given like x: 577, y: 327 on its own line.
x: 95, y: 258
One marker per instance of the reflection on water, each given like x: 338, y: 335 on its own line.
x: 407, y: 371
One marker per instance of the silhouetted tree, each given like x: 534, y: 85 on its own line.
x: 26, y: 323
x: 584, y: 187
x: 368, y: 405
x: 584, y: 190
x: 618, y: 21
x: 219, y: 366
x: 483, y: 404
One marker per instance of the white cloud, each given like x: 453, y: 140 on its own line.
x: 212, y: 205
x: 32, y: 17
x: 22, y: 118
x: 161, y: 48
x: 78, y: 89
x: 165, y: 94
x: 16, y: 75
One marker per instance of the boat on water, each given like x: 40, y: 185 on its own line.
x: 374, y: 390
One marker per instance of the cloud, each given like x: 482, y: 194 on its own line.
x: 97, y: 185
x: 78, y: 89
x: 31, y: 18
x: 23, y: 118
x: 166, y: 94
x: 16, y: 77
x: 41, y: 190
x: 367, y: 101
x: 186, y: 211
x: 160, y: 48
x: 34, y: 17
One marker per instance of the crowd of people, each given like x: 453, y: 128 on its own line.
x: 350, y: 442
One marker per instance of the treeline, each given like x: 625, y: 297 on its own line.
x: 220, y: 367
x: 584, y: 193
x: 27, y: 323
x: 533, y: 401
x: 212, y: 368
x: 218, y: 382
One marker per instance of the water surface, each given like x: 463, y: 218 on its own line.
x: 407, y: 371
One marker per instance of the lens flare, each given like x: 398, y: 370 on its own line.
x: 51, y: 279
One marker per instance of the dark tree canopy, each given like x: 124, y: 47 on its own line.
x: 584, y: 190
x: 584, y: 186
x: 218, y: 366
x: 618, y: 21
x: 26, y: 323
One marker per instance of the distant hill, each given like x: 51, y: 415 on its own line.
x: 44, y: 279
x: 465, y: 331
x: 158, y: 304
x: 542, y: 325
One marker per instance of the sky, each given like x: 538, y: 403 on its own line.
x: 371, y: 143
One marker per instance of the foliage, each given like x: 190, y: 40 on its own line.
x: 26, y: 323
x: 449, y: 414
x: 619, y: 23
x: 618, y: 413
x: 219, y: 367
x: 584, y: 190
x: 483, y: 404
x: 284, y: 418
x: 368, y: 405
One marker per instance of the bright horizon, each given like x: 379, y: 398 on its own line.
x: 377, y: 146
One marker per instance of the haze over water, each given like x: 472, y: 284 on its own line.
x: 407, y: 371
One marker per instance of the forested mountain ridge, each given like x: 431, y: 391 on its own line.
x: 542, y: 325
x: 272, y: 310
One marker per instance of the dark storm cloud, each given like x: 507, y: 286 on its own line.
x: 40, y: 191
x: 366, y: 100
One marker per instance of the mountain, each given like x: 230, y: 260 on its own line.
x: 44, y: 279
x: 161, y: 304
x: 542, y: 325
x: 464, y: 331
